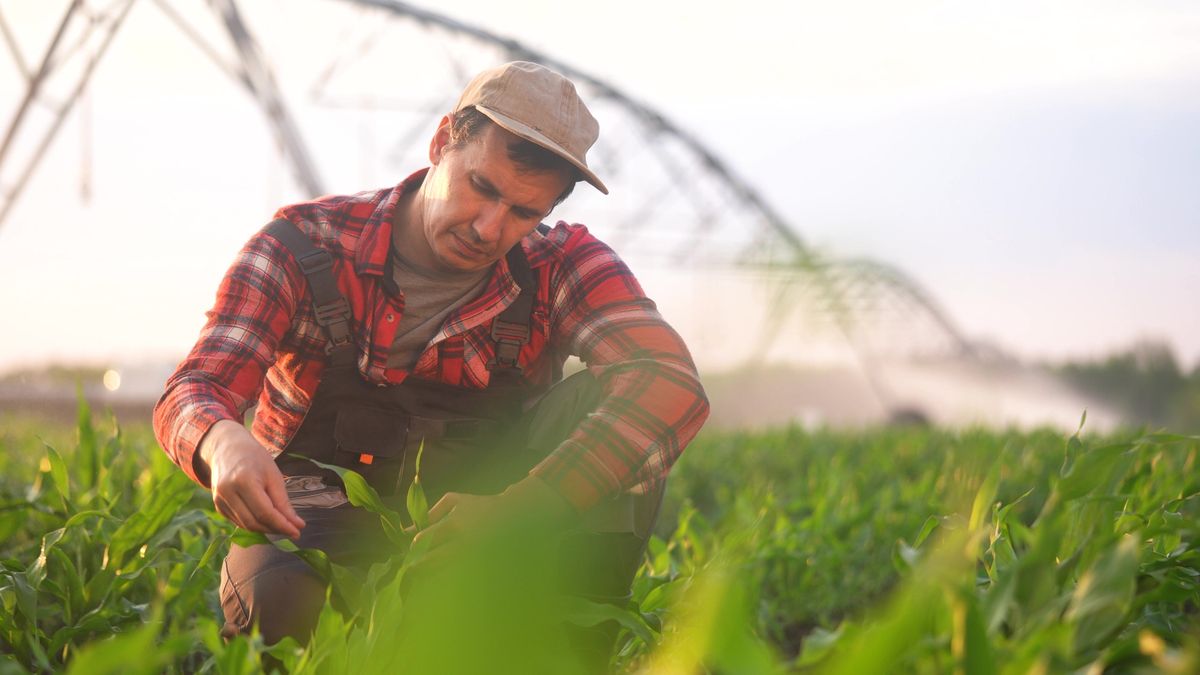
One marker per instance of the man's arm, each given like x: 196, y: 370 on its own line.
x: 652, y: 407
x: 653, y: 401
x: 197, y: 419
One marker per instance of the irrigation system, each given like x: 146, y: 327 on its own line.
x: 676, y: 202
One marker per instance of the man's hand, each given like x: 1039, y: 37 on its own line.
x: 247, y: 486
x: 457, y: 514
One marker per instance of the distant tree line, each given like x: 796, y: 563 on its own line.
x: 1146, y: 382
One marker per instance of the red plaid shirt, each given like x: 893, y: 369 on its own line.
x: 262, y: 342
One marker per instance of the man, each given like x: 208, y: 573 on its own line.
x: 438, y: 311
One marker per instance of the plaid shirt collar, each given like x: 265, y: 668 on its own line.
x: 375, y: 243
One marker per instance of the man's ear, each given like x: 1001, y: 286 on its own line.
x: 440, y: 141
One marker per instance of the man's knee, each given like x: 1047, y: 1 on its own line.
x: 560, y: 410
x: 273, y: 589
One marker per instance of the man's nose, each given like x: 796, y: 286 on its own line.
x: 489, y: 223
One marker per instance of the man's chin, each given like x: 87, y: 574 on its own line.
x: 460, y: 263
x: 462, y: 256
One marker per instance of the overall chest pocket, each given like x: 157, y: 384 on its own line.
x: 371, y: 441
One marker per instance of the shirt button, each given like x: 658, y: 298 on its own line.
x: 390, y: 318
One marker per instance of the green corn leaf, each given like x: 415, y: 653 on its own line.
x: 95, y: 623
x: 83, y: 516
x: 583, y: 612
x: 328, y: 643
x: 165, y: 501
x: 999, y: 599
x: 984, y: 498
x: 247, y: 538
x: 26, y: 595
x: 37, y: 571
x: 10, y: 666
x: 213, y: 546
x: 96, y: 591
x: 234, y: 657
x: 83, y: 425
x: 1171, y: 438
x: 931, y: 524
x: 418, y: 506
x: 134, y: 652
x: 361, y: 494
x: 58, y: 475
x: 1104, y: 595
x: 904, y: 557
x: 818, y: 645
x: 33, y: 640
x: 107, y: 485
x: 420, y: 453
x: 288, y: 652
x: 348, y: 583
x: 314, y: 557
x: 1091, y: 471
x: 86, y: 460
x: 184, y: 520
x: 976, y: 656
x: 74, y: 584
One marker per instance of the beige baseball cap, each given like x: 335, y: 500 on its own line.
x: 539, y: 105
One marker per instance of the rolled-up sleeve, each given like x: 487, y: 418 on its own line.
x: 221, y: 376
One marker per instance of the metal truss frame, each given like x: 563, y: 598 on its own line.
x: 101, y: 27
x: 252, y: 70
x: 846, y: 287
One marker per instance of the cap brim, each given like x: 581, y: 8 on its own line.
x: 532, y: 135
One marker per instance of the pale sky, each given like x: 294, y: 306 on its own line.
x: 1034, y: 167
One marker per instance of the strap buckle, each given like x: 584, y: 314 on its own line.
x: 332, y: 311
x: 507, y: 331
x: 316, y: 261
x: 509, y: 337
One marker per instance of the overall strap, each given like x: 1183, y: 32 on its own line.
x: 511, y: 328
x: 330, y: 308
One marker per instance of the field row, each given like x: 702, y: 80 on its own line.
x: 912, y: 550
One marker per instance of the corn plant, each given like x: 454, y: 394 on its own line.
x: 785, y: 551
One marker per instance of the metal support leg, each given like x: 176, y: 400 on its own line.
x: 33, y: 94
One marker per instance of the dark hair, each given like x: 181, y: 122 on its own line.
x: 467, y: 124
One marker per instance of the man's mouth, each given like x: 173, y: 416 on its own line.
x: 468, y: 249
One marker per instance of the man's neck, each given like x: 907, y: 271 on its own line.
x: 407, y: 230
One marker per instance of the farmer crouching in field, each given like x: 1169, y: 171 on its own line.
x: 438, y: 311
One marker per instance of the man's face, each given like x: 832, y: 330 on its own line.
x: 477, y: 204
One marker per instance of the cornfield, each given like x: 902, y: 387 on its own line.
x: 789, y: 551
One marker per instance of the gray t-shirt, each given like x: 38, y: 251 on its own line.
x: 429, y: 297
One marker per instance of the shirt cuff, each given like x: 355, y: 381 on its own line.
x: 187, y: 443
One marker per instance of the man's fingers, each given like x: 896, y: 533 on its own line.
x: 434, y: 559
x: 223, y: 508
x: 277, y: 493
x: 238, y: 514
x: 443, y: 507
x: 260, y: 507
x: 428, y: 534
x: 436, y: 534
